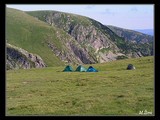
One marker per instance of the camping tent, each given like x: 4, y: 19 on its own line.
x: 130, y: 67
x: 91, y: 69
x: 68, y: 69
x: 80, y: 68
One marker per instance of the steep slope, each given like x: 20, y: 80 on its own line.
x: 104, y: 42
x: 55, y: 46
x: 97, y: 43
x: 31, y: 34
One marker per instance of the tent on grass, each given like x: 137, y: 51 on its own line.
x: 68, y: 69
x: 130, y: 67
x: 80, y: 68
x: 91, y: 69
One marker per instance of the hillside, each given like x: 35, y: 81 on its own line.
x: 139, y: 41
x: 131, y: 35
x: 62, y: 38
x: 31, y: 34
x: 53, y: 45
x: 99, y: 46
x: 99, y: 37
x: 111, y: 91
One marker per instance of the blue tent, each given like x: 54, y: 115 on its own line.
x: 91, y: 69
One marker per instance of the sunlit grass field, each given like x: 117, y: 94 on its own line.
x: 111, y: 91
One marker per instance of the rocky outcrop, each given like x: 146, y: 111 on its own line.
x: 82, y: 55
x: 19, y: 58
x: 87, y: 35
x: 80, y: 28
x: 73, y: 53
x: 89, y: 32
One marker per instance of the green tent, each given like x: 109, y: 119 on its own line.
x: 80, y: 68
x: 68, y: 69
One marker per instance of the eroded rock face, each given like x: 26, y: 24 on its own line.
x: 20, y: 58
x: 82, y: 55
x: 74, y: 54
x: 87, y: 35
x: 88, y: 41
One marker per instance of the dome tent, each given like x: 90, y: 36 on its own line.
x: 68, y: 69
x: 80, y: 68
x: 130, y: 67
x: 91, y: 69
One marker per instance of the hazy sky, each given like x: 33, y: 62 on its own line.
x: 131, y: 16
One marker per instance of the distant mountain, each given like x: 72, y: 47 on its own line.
x: 59, y: 38
x: 146, y: 31
x: 131, y: 35
x: 136, y: 41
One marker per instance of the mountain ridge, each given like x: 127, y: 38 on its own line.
x: 53, y: 21
x: 62, y: 38
x: 146, y: 31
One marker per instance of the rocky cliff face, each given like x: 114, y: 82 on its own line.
x: 96, y: 45
x: 71, y: 52
x: 20, y: 58
x: 98, y: 40
x: 82, y: 29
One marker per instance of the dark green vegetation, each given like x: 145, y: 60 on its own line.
x: 111, y: 91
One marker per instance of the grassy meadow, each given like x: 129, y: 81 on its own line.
x: 111, y: 91
x: 31, y: 34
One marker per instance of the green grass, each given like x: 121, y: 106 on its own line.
x: 31, y: 34
x: 111, y: 91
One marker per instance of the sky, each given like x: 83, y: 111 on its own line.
x: 130, y: 16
